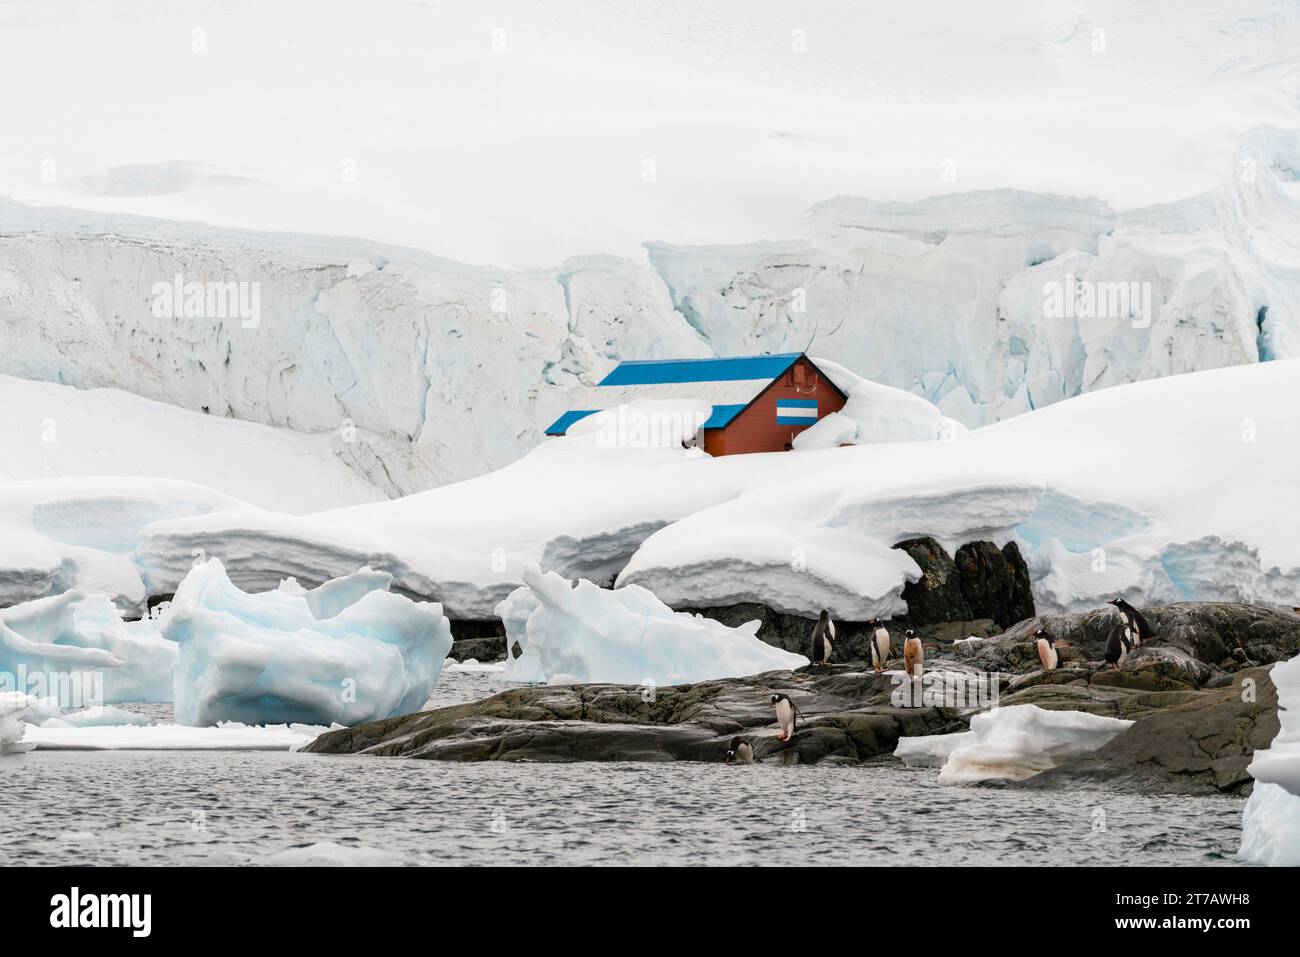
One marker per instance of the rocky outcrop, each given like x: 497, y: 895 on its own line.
x: 1197, y: 722
x: 982, y: 581
x: 480, y: 640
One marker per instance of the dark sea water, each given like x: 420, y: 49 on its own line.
x: 140, y: 807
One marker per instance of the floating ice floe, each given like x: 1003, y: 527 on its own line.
x: 267, y: 659
x: 227, y: 736
x: 583, y: 633
x: 77, y: 648
x: 332, y: 854
x: 1270, y: 832
x: 1014, y: 743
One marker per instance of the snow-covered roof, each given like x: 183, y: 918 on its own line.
x: 730, y: 384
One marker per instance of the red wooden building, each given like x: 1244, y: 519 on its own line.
x: 760, y: 403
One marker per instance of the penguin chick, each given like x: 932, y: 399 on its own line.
x: 913, y: 654
x: 1048, y: 656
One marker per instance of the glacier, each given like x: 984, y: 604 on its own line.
x: 578, y: 633
x: 265, y: 659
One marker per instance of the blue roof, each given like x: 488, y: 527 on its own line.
x: 722, y: 415
x: 654, y: 371
x: 561, y: 425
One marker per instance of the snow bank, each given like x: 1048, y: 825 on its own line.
x: 51, y: 430
x: 875, y: 413
x: 584, y: 633
x: 1013, y: 743
x: 77, y: 644
x: 13, y: 705
x: 267, y: 659
x: 226, y: 736
x: 1271, y: 820
x: 814, y: 530
x: 64, y: 533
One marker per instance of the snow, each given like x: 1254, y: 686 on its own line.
x: 582, y: 633
x: 13, y: 705
x: 77, y: 644
x: 54, y: 430
x: 226, y: 736
x: 1271, y: 820
x: 98, y: 717
x: 812, y: 530
x: 875, y: 413
x: 59, y: 534
x: 1012, y: 743
x: 266, y: 658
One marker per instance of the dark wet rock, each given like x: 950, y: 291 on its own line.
x: 847, y: 717
x: 937, y: 595
x: 1194, y: 642
x: 481, y: 640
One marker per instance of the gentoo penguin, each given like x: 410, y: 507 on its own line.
x: 740, y: 752
x: 913, y: 654
x: 1047, y: 653
x: 1118, y: 645
x: 1136, y: 628
x: 822, y: 634
x: 879, y: 644
x: 786, y: 716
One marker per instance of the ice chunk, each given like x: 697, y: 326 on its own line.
x: 77, y: 648
x: 930, y: 750
x: 100, y: 717
x: 1013, y: 743
x: 331, y: 854
x: 336, y: 594
x: 266, y: 659
x: 1271, y: 821
x: 584, y: 633
x: 12, y: 706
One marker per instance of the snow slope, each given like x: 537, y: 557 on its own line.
x: 1173, y: 489
x: 50, y: 430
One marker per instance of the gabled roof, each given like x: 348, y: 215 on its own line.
x: 730, y: 384
x: 732, y: 369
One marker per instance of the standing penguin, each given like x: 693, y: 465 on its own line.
x: 1048, y: 656
x: 740, y: 752
x: 1136, y: 628
x: 879, y: 644
x: 1118, y: 646
x: 787, y: 716
x: 913, y: 654
x: 822, y: 634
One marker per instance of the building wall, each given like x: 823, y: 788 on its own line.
x: 757, y: 430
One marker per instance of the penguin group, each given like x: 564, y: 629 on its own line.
x: 1128, y: 634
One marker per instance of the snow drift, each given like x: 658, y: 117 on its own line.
x: 267, y: 659
x: 582, y: 633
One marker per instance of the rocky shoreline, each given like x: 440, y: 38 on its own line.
x: 1199, y: 695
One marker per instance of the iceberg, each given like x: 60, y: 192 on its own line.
x: 227, y: 736
x: 76, y: 648
x: 13, y: 704
x: 266, y: 658
x: 1012, y: 743
x: 583, y: 633
x: 1270, y: 833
